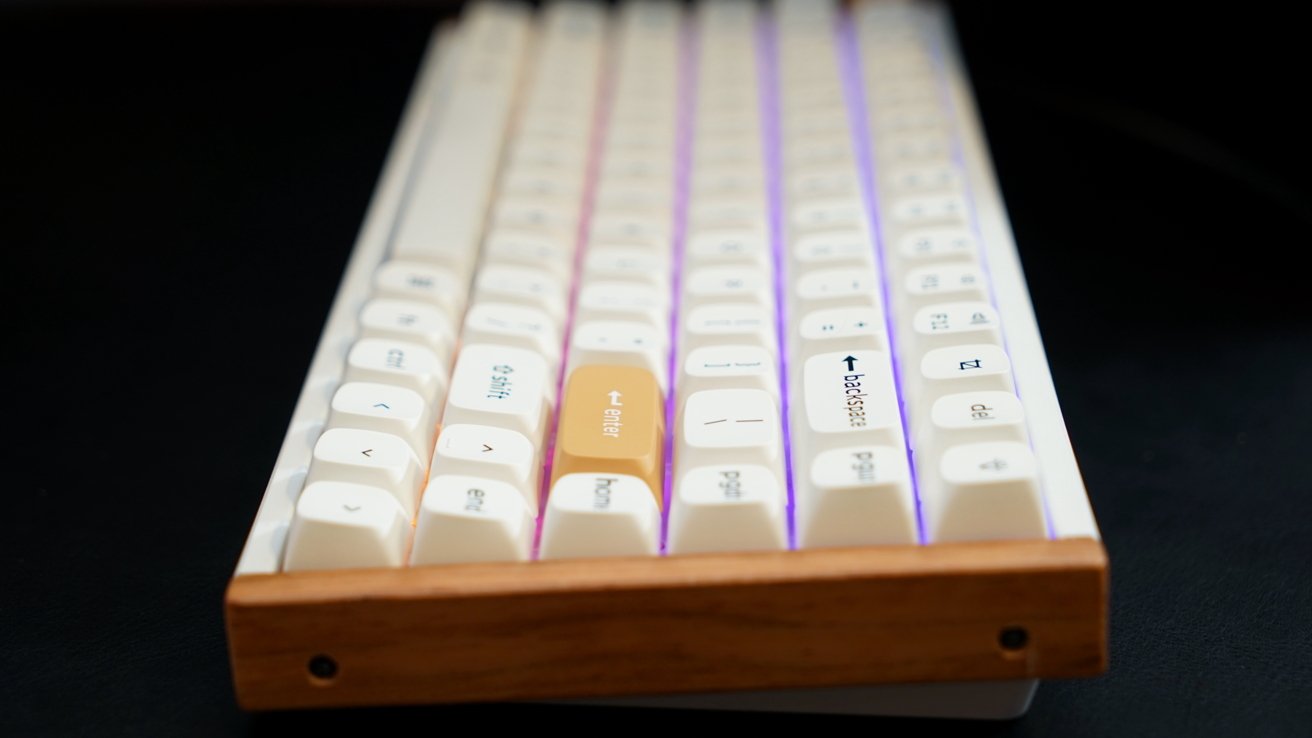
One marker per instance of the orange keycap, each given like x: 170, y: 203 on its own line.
x: 612, y: 421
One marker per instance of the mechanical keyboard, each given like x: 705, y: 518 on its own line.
x: 684, y: 358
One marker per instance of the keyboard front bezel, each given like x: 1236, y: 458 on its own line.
x: 694, y: 623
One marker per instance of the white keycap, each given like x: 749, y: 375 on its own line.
x: 952, y: 324
x: 835, y: 288
x: 370, y: 458
x: 831, y: 183
x: 647, y: 232
x: 917, y: 146
x: 339, y: 525
x: 971, y: 417
x: 451, y: 180
x: 729, y: 366
x: 552, y: 253
x: 467, y: 519
x: 519, y: 326
x: 925, y: 286
x: 918, y: 117
x: 536, y: 216
x: 833, y: 151
x: 848, y: 399
x: 546, y: 153
x: 600, y: 515
x: 728, y: 323
x: 712, y: 248
x: 630, y: 263
x: 387, y: 409
x: 935, y: 245
x: 729, y: 426
x: 620, y: 343
x: 728, y: 508
x: 856, y: 328
x: 523, y: 286
x: 915, y: 178
x: 404, y: 364
x: 428, y: 283
x: 611, y: 300
x: 855, y: 496
x: 830, y: 249
x: 747, y: 213
x: 488, y: 452
x: 538, y: 183
x: 647, y: 198
x: 828, y: 214
x: 407, y: 320
x: 727, y: 181
x: 724, y: 284
x: 916, y: 210
x: 983, y: 491
x: 500, y: 386
x: 972, y: 367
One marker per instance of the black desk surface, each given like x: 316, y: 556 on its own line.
x: 182, y: 188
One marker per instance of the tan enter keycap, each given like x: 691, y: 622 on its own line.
x: 612, y: 421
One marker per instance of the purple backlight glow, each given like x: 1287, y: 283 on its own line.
x: 688, y: 48
x: 767, y: 60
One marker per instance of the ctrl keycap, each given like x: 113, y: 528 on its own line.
x: 600, y: 514
x: 339, y: 525
x: 466, y: 519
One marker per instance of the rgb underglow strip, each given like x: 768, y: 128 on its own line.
x: 687, y: 103
x: 596, y: 147
x: 767, y: 47
x: 849, y: 54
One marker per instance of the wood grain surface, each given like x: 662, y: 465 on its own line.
x: 677, y: 624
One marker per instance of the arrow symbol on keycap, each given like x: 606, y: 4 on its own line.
x: 351, y: 508
x: 383, y: 405
x: 368, y: 453
x: 851, y: 362
x: 486, y: 448
x: 614, y: 396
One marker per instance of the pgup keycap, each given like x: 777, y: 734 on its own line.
x: 856, y: 496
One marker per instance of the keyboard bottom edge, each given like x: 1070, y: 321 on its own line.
x: 980, y: 700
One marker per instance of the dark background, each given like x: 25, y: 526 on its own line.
x: 181, y: 188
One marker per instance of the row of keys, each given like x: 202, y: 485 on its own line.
x: 852, y: 477
x: 607, y: 485
x: 977, y: 476
x: 729, y: 490
x: 472, y: 490
x: 633, y: 284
